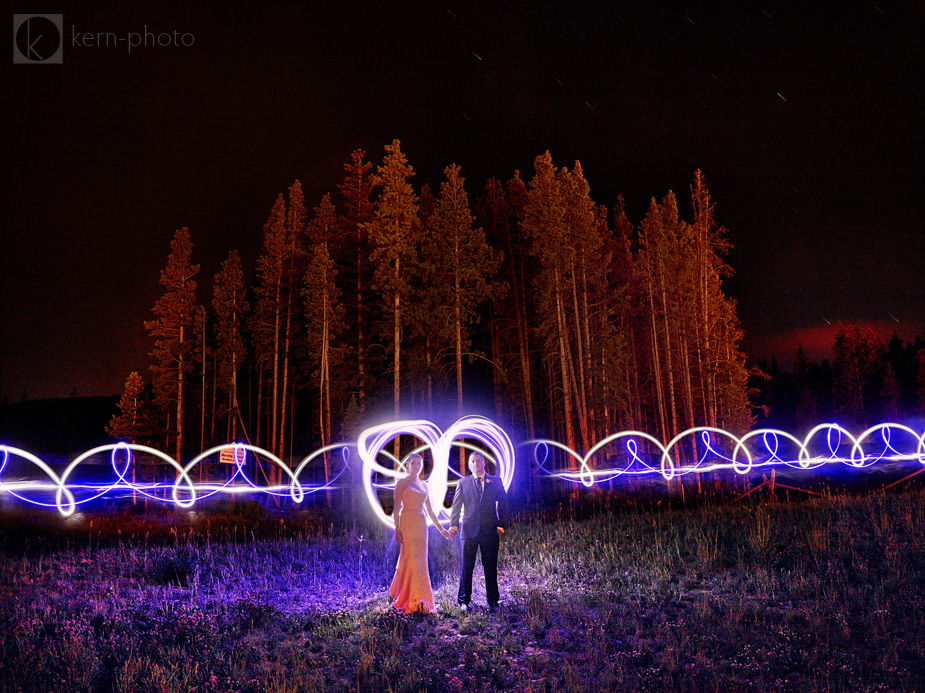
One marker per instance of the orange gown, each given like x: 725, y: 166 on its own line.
x: 410, y: 589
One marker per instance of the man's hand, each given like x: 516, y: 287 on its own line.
x: 453, y: 531
x: 500, y: 531
x: 398, y: 536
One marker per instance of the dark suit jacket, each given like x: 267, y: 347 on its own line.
x: 481, y: 516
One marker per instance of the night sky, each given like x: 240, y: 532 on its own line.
x: 805, y: 118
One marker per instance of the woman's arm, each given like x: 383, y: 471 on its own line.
x: 396, y: 511
x: 433, y: 517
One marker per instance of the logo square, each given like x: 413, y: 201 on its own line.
x: 38, y: 39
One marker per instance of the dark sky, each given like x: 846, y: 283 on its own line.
x: 806, y: 120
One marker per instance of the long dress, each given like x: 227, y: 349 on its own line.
x: 410, y: 589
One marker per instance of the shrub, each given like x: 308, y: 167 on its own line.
x: 174, y: 567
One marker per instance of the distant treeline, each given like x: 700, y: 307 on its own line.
x: 59, y: 426
x: 533, y: 303
x: 865, y: 383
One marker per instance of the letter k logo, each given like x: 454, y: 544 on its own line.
x: 37, y: 38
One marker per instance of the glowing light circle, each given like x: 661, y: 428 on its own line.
x: 372, y: 443
x: 58, y: 483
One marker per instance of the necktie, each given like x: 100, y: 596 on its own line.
x: 480, y: 488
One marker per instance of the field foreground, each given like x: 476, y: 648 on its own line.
x: 823, y: 594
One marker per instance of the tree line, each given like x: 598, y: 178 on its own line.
x: 531, y: 302
x: 865, y: 383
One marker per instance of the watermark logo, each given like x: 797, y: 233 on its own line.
x: 38, y: 38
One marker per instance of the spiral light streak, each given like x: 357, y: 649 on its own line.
x: 183, y: 491
x: 493, y: 443
x: 700, y: 449
x: 826, y: 444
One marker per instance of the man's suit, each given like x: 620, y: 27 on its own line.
x: 484, y: 513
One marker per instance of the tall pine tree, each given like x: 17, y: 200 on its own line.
x: 171, y: 329
x: 393, y: 234
x: 230, y: 305
x: 267, y: 318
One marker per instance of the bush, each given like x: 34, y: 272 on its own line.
x: 174, y: 567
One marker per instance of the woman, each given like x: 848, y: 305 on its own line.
x: 411, y: 590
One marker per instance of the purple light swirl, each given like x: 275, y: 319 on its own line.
x: 183, y: 491
x: 494, y: 444
x: 826, y: 444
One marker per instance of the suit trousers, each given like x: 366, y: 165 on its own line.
x: 487, y: 544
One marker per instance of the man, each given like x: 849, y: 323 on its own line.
x: 486, y: 516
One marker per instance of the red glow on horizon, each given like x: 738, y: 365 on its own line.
x: 817, y: 340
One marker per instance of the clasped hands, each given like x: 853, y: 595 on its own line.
x: 447, y: 533
x: 451, y: 534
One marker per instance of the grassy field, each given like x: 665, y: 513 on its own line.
x: 821, y: 594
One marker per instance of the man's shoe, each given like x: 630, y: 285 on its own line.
x: 493, y: 608
x: 465, y: 607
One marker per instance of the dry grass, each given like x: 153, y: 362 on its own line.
x: 816, y: 595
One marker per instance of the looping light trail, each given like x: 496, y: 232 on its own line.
x: 626, y: 453
x: 492, y: 442
x: 707, y: 449
x: 183, y: 491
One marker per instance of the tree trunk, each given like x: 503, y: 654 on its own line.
x: 285, y: 386
x: 563, y: 366
x: 589, y: 385
x: 457, y: 336
x: 657, y: 366
x: 668, y: 360
x: 396, y: 381
x: 580, y: 392
x: 497, y: 382
x: 396, y: 338
x: 275, y: 400
x: 233, y: 404
x: 522, y: 338
x: 180, y: 402
x: 260, y: 412
x: 361, y: 347
x: 202, y: 429
x: 214, y: 394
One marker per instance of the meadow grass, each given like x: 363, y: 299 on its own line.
x: 820, y: 594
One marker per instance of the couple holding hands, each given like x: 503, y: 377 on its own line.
x: 482, y: 502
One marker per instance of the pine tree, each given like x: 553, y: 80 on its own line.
x: 501, y: 211
x: 692, y: 352
x: 202, y: 353
x: 230, y: 305
x: 324, y: 312
x: 720, y: 365
x: 266, y: 321
x: 890, y: 394
x: 585, y: 237
x: 807, y: 412
x: 467, y: 265
x: 428, y: 311
x: 619, y: 371
x: 175, y: 311
x: 709, y: 246
x: 657, y: 255
x: 857, y: 356
x: 394, y: 242
x: 544, y: 224
x: 292, y: 272
x: 356, y: 187
x: 133, y: 423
